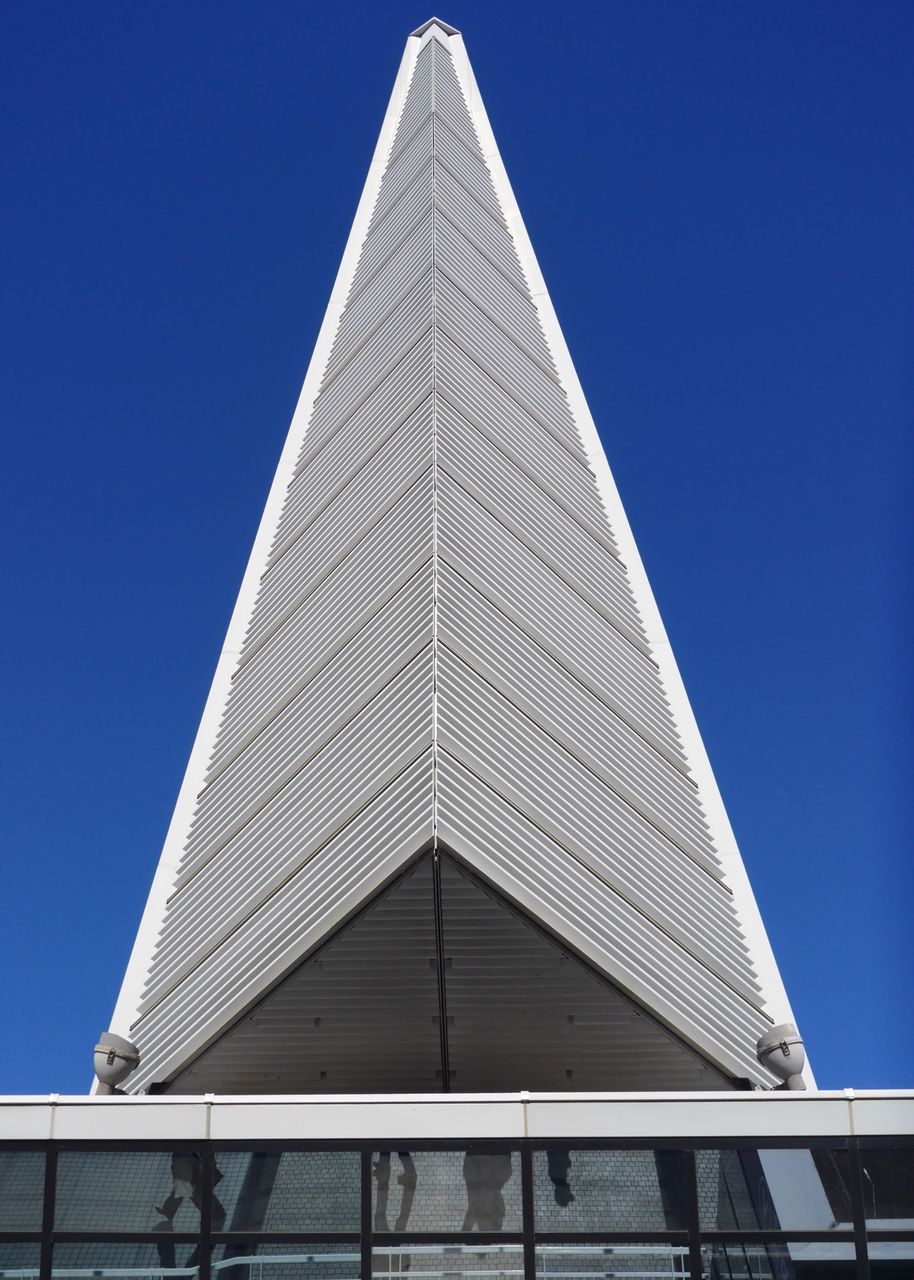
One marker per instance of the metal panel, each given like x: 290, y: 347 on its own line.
x: 316, y: 898
x: 377, y: 487
x: 548, y: 784
x: 530, y: 445
x: 516, y: 501
x: 526, y: 865
x: 338, y: 606
x: 479, y: 223
x: 550, y: 694
x: 326, y: 469
x: 525, y: 588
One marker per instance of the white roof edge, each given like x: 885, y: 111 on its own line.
x: 773, y: 990
x: 424, y: 1117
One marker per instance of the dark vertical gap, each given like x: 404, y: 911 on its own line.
x: 691, y: 1190
x: 365, y: 1240
x: 207, y: 1182
x: 439, y: 954
x: 526, y: 1186
x: 858, y: 1207
x: 47, y: 1216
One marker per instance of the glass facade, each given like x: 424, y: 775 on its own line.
x: 574, y: 1210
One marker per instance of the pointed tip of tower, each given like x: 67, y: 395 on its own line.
x: 435, y: 22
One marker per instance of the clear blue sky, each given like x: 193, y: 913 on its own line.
x: 722, y: 200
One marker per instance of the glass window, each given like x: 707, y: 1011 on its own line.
x: 21, y: 1190
x: 449, y: 1261
x: 19, y: 1261
x: 287, y: 1191
x: 473, y: 1190
x: 609, y: 1191
x: 605, y: 1262
x: 891, y: 1259
x: 286, y: 1262
x: 777, y: 1260
x: 93, y: 1261
x: 128, y: 1191
x: 782, y: 1189
x: 888, y: 1186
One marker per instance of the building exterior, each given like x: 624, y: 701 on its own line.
x: 447, y: 780
x: 450, y: 965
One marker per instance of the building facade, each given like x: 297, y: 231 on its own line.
x: 447, y: 778
x: 449, y: 828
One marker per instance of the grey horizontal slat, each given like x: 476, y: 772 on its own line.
x: 466, y: 164
x: 396, y: 278
x: 374, y: 362
x: 485, y: 228
x: 388, y: 555
x: 531, y: 447
x: 342, y: 524
x: 547, y: 691
x: 504, y: 360
x: 332, y: 692
x: 449, y: 99
x: 565, y: 799
x: 413, y: 204
x: 532, y: 869
x: 214, y: 896
x: 417, y: 104
x: 524, y: 588
x: 489, y: 289
x: 401, y: 172
x: 327, y: 464
x: 315, y: 899
x: 531, y: 515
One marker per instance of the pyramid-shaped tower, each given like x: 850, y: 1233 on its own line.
x: 448, y: 821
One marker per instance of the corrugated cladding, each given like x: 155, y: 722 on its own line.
x: 445, y: 644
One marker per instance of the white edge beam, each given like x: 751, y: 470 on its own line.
x: 128, y: 1001
x: 737, y: 880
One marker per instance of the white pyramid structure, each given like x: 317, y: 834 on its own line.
x: 446, y: 682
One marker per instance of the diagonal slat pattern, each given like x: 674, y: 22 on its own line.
x: 445, y: 644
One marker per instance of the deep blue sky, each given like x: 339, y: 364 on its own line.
x: 722, y: 201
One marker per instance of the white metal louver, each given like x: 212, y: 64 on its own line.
x: 445, y: 636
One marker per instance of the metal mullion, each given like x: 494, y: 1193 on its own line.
x: 47, y: 1215
x: 756, y: 1236
x: 418, y: 1238
x: 692, y: 1215
x: 285, y: 1237
x: 528, y: 1211
x: 125, y: 1237
x: 365, y: 1240
x: 207, y: 1182
x: 612, y: 1237
x: 857, y: 1209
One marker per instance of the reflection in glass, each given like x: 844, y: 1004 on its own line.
x: 473, y: 1190
x: 286, y: 1262
x: 776, y: 1260
x: 609, y: 1190
x: 124, y: 1261
x: 21, y: 1190
x: 631, y: 1261
x: 453, y: 1261
x: 289, y: 1190
x: 130, y: 1191
x: 888, y: 1186
x: 19, y: 1260
x: 781, y: 1189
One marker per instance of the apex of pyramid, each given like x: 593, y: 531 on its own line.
x: 435, y: 22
